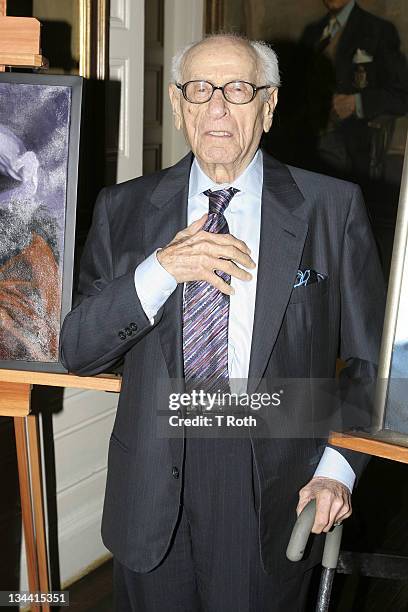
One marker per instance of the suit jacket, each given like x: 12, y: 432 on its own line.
x: 308, y: 221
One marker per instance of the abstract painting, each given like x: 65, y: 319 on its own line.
x: 39, y: 147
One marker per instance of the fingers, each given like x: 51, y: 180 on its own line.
x: 224, y: 265
x: 211, y: 264
x: 217, y: 282
x: 224, y: 241
x: 230, y: 252
x: 302, y: 504
x: 329, y: 510
x: 333, y: 503
x: 224, y: 246
x: 342, y: 516
x: 327, y: 507
x: 190, y: 230
x: 195, y: 254
x: 195, y: 227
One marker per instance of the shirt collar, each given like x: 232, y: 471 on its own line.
x: 344, y: 14
x: 250, y: 181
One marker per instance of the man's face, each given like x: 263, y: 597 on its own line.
x: 220, y: 132
x: 334, y: 6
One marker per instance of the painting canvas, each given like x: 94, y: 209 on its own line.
x: 39, y: 150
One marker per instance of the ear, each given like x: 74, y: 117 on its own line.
x: 269, y: 107
x: 175, y: 100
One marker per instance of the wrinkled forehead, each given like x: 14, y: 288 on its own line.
x: 221, y: 59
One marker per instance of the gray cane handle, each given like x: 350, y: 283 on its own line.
x: 301, y: 532
x: 332, y: 547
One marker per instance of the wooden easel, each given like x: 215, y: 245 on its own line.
x: 19, y: 41
x: 15, y: 395
x: 20, y: 47
x: 385, y: 444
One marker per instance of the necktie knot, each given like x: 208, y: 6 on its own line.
x: 331, y: 28
x: 219, y: 200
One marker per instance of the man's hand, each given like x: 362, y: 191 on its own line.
x: 195, y: 254
x: 344, y: 105
x: 333, y: 502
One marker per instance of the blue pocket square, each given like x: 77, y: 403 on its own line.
x: 307, y: 277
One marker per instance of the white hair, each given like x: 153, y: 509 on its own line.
x: 267, y: 59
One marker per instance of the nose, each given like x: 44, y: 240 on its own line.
x: 217, y: 106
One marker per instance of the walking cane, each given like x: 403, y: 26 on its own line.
x: 297, y: 545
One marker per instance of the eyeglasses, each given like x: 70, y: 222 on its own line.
x: 236, y: 92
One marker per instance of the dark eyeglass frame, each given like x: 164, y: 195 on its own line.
x: 255, y: 89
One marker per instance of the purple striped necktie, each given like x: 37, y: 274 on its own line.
x: 205, y: 314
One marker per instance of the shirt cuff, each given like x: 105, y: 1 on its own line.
x: 333, y: 465
x: 153, y: 285
x: 359, y: 105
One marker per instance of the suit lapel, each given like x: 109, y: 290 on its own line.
x: 167, y: 216
x: 281, y: 246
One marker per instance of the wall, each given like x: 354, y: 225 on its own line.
x: 183, y: 23
x: 126, y: 69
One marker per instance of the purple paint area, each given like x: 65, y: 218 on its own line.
x: 38, y: 115
x: 34, y: 138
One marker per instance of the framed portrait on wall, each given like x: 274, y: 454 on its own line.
x: 40, y: 119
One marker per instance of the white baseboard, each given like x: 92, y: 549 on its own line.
x: 80, y: 546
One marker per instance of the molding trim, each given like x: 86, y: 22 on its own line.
x: 214, y: 16
x: 183, y: 24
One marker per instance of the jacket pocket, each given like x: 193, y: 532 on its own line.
x: 310, y: 292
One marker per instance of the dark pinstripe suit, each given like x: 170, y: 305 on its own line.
x: 308, y: 221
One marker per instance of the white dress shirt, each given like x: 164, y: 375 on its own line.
x: 154, y: 284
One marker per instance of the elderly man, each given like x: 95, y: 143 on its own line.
x: 204, y: 272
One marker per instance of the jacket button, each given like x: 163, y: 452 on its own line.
x: 133, y: 326
x: 128, y: 331
x: 122, y: 335
x: 175, y: 472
